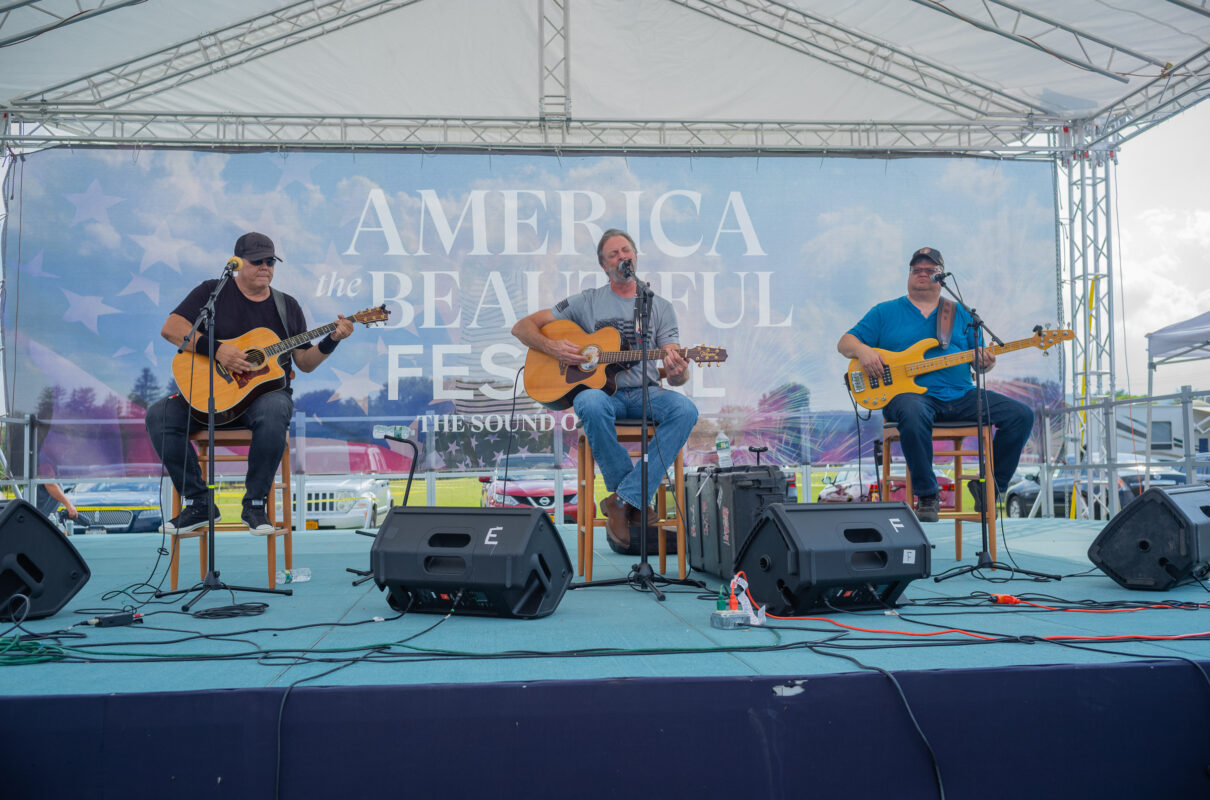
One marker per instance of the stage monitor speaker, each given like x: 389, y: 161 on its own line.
x: 492, y: 562
x: 1161, y: 539
x: 36, y: 561
x: 813, y: 557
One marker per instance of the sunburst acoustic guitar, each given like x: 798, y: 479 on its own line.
x: 875, y: 391
x: 235, y: 391
x: 555, y: 385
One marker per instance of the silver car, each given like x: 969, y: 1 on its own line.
x: 343, y: 490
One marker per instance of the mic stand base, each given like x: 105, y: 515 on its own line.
x: 984, y: 561
x: 212, y: 583
x: 644, y: 577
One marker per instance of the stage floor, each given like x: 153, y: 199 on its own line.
x: 325, y: 633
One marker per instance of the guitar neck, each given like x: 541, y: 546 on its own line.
x: 965, y: 357
x: 286, y: 345
x: 623, y: 356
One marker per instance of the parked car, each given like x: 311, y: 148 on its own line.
x: 1019, y: 497
x: 844, y: 487
x: 123, y: 505
x: 343, y: 490
x: 531, y: 482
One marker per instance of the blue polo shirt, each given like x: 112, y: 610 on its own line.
x: 897, y: 325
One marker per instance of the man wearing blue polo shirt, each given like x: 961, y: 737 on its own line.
x: 949, y: 393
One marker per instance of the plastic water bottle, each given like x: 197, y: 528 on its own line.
x: 722, y: 446
x: 299, y: 575
x: 392, y: 431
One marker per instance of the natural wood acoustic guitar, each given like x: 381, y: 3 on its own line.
x: 555, y: 385
x: 235, y: 391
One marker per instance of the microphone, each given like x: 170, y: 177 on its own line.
x: 940, y: 276
x: 626, y: 268
x: 234, y: 264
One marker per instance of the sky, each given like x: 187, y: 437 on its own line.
x: 1163, y: 261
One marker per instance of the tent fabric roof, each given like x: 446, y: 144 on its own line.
x: 972, y: 76
x: 1182, y: 341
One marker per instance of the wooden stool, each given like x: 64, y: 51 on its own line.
x: 628, y: 430
x: 952, y: 434
x: 239, y: 437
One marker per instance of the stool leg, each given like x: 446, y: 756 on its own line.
x: 682, y: 554
x: 271, y: 547
x: 581, y: 501
x: 661, y: 513
x: 203, y: 550
x: 174, y: 562
x: 590, y: 519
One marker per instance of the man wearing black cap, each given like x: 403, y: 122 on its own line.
x: 949, y: 393
x: 246, y: 302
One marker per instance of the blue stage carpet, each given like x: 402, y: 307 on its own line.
x: 313, y: 697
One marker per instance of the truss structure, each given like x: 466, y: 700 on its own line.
x: 967, y: 117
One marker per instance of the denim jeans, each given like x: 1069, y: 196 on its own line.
x: 169, y: 424
x: 916, y: 413
x: 675, y: 415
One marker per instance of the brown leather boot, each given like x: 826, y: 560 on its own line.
x: 632, y: 515
x: 617, y: 523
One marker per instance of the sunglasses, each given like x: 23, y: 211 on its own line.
x: 924, y: 270
x: 264, y: 261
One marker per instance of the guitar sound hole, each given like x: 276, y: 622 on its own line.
x: 255, y: 356
x: 592, y: 357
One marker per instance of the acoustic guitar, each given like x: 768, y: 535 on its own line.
x: 235, y: 391
x: 555, y: 385
x: 875, y: 391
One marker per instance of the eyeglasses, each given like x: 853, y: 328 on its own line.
x: 264, y: 261
x: 924, y: 270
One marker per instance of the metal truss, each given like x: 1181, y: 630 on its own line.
x: 1183, y: 86
x: 554, y: 62
x: 868, y: 58
x: 34, y: 127
x: 1088, y: 228
x: 48, y: 15
x: 211, y: 53
x: 1031, y: 29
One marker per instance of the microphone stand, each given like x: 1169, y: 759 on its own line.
x: 643, y: 573
x: 983, y: 559
x: 211, y: 582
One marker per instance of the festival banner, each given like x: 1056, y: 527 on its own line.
x: 771, y: 259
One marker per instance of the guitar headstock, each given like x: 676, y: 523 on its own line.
x: 706, y: 355
x: 1047, y: 339
x: 369, y: 316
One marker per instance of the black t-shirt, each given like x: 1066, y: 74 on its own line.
x: 235, y: 314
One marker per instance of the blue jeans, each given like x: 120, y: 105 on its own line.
x: 675, y: 415
x: 169, y: 424
x: 916, y: 413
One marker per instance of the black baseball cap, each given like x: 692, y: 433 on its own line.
x: 255, y: 247
x: 927, y: 254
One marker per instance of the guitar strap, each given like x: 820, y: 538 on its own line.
x: 279, y: 300
x: 945, y: 321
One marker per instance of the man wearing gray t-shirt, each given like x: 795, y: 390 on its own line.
x: 613, y: 306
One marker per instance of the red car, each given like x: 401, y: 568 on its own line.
x: 847, y: 487
x: 531, y: 484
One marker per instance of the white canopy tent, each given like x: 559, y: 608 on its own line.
x: 1180, y: 342
x: 1064, y: 82
x: 1188, y: 340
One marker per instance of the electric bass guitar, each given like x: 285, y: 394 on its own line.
x: 875, y: 391
x: 555, y: 385
x: 235, y: 391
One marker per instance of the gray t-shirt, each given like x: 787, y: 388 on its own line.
x: 593, y: 309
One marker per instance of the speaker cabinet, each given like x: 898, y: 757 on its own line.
x: 812, y: 557
x: 1161, y: 539
x: 36, y: 561
x: 490, y: 562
